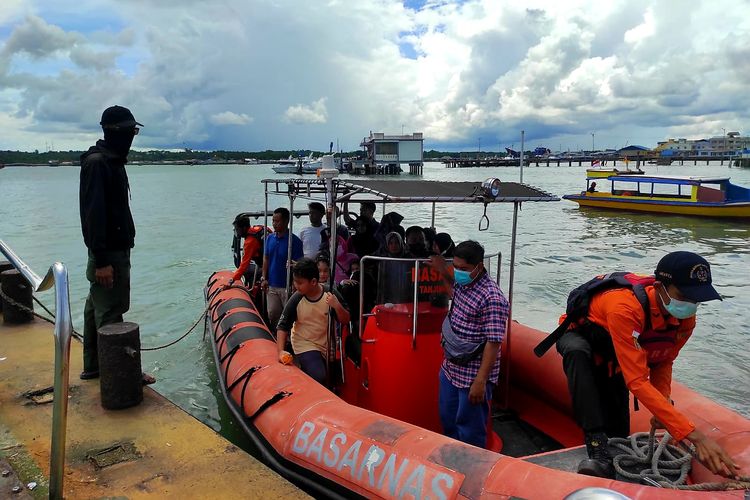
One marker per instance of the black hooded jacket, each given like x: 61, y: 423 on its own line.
x: 106, y: 221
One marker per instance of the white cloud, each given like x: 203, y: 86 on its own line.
x: 483, y: 68
x: 230, y: 118
x: 314, y: 113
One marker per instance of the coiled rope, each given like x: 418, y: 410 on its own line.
x: 664, y: 465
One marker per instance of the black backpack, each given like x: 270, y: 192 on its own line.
x: 579, y: 300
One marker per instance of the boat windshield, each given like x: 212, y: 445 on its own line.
x: 404, y: 285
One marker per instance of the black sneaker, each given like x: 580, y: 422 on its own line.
x: 88, y: 375
x: 599, y: 462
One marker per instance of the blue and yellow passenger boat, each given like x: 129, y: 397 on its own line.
x: 693, y: 195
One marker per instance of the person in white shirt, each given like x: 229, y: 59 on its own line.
x: 310, y: 235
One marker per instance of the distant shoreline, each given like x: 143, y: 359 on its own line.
x: 142, y: 163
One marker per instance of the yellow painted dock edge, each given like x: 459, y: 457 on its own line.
x: 179, y: 456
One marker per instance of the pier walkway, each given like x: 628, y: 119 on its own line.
x: 580, y: 161
x: 153, y: 450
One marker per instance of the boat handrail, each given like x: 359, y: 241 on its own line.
x: 56, y: 276
x: 377, y: 258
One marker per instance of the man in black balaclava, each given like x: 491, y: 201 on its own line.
x: 108, y: 230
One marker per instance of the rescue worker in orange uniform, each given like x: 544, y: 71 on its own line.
x: 616, y: 350
x: 252, y: 249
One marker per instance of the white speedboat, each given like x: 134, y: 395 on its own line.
x: 293, y: 165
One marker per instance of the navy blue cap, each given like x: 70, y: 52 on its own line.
x: 690, y: 273
x: 118, y: 116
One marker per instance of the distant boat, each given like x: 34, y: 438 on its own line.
x: 598, y: 171
x: 307, y: 165
x: 293, y: 165
x: 696, y: 196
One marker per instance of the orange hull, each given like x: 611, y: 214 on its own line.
x: 335, y: 449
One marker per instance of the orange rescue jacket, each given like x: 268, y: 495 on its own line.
x: 646, y: 366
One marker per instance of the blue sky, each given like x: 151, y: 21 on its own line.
x: 283, y: 74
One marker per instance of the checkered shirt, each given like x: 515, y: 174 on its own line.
x: 479, y: 313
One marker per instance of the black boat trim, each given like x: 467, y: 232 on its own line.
x: 272, y: 401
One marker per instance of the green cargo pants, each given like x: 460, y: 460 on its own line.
x: 104, y: 305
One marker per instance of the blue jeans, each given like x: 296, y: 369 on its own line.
x: 314, y: 364
x: 461, y: 419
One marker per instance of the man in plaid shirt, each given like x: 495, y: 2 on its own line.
x: 478, y: 315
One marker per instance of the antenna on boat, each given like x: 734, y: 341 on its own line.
x: 521, y: 156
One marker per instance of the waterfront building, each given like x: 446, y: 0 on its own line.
x: 682, y: 145
x: 394, y: 150
x: 701, y: 147
x: 732, y: 143
x: 633, y: 151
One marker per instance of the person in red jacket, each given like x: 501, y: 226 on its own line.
x: 618, y: 350
x: 252, y: 249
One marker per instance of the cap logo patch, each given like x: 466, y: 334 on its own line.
x: 701, y: 273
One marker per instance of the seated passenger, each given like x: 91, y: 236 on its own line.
x: 394, y: 283
x: 324, y: 269
x: 416, y: 246
x: 366, y: 214
x: 592, y: 188
x: 344, y: 265
x: 443, y: 245
x: 306, y: 317
x: 391, y: 222
x: 363, y: 241
x: 429, y: 237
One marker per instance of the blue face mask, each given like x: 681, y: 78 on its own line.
x: 462, y: 278
x: 680, y: 309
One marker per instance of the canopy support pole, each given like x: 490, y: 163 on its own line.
x: 506, y: 359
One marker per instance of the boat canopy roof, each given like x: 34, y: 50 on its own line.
x: 407, y: 191
x: 664, y: 179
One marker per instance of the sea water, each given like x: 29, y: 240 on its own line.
x: 184, y: 214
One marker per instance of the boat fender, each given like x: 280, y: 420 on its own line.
x: 577, y: 308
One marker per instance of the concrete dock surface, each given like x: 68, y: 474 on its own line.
x: 153, y: 450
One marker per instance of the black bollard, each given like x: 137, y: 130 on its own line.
x: 15, y: 287
x: 120, y: 374
x: 4, y: 266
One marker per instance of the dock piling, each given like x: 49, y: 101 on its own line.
x: 120, y: 374
x: 16, y: 288
x: 4, y: 266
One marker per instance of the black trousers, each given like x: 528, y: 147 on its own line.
x: 600, y: 396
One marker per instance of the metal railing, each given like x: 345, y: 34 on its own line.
x: 56, y: 276
x: 488, y: 259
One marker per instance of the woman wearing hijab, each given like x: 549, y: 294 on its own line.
x: 394, y: 277
x: 391, y: 222
x: 443, y: 245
